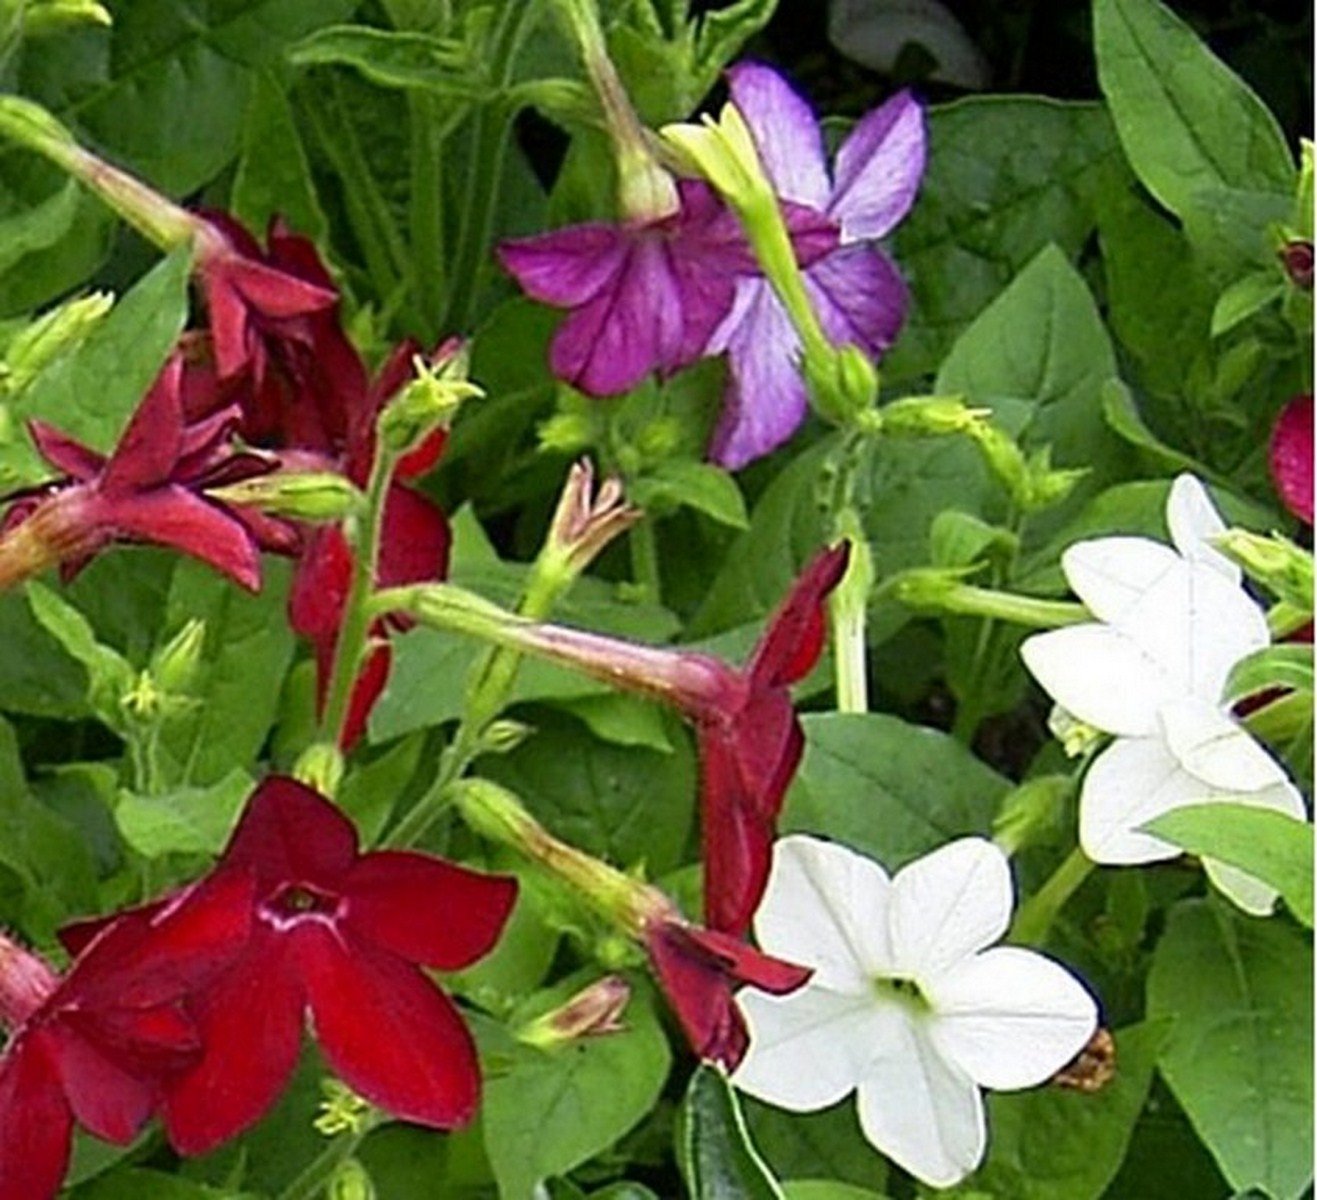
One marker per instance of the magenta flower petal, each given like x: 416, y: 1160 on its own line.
x: 785, y: 132
x: 152, y: 442
x: 765, y: 400
x: 36, y: 1126
x: 878, y: 169
x: 390, y: 902
x: 1292, y: 455
x: 859, y: 296
x: 566, y: 267
x: 73, y: 458
x: 387, y: 1031
x: 250, y: 1023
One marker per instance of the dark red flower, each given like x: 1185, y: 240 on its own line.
x: 342, y: 936
x: 699, y: 969
x: 98, y: 1045
x: 749, y: 737
x: 1291, y: 457
x: 152, y: 488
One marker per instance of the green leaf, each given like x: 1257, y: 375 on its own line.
x: 91, y: 393
x: 1048, y: 1143
x: 132, y: 1183
x: 1043, y: 340
x: 1271, y: 846
x: 702, y: 486
x: 810, y: 1145
x: 248, y: 650
x: 1239, y: 1056
x: 273, y: 176
x: 625, y: 804
x: 622, y: 719
x: 547, y: 1112
x: 39, y: 227
x: 1188, y: 124
x: 1244, y: 298
x: 889, y: 789
x: 1286, y: 664
x: 1122, y: 414
x: 824, y: 1189
x: 394, y: 60
x: 717, y: 1158
x: 196, y: 820
x: 1007, y: 175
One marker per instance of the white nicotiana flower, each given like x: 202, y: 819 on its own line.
x: 1171, y: 624
x: 907, y: 1006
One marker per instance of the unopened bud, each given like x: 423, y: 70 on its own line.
x: 1282, y: 567
x: 175, y: 664
x: 567, y: 433
x: 593, y: 1012
x: 504, y: 736
x: 1031, y: 813
x: 659, y: 439
x: 298, y: 495
x: 930, y: 416
x: 350, y: 1181
x: 320, y: 766
x: 430, y: 401
x: 932, y: 589
x: 585, y: 522
x: 1297, y: 259
x: 1076, y: 737
x: 842, y: 381
x: 1048, y: 485
x: 722, y: 151
x: 51, y: 335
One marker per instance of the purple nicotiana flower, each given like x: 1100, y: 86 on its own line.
x: 645, y: 295
x: 856, y: 290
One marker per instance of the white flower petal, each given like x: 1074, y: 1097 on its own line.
x: 1192, y: 519
x: 811, y: 1048
x: 1132, y: 781
x: 923, y: 1112
x: 947, y: 905
x: 1009, y: 1017
x: 1102, y: 676
x: 1111, y: 574
x: 826, y: 907
x: 1217, y: 749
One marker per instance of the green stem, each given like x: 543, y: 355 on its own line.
x: 427, y: 215
x: 357, y: 609
x: 1036, y: 914
x: 314, y: 1178
x: 643, y: 545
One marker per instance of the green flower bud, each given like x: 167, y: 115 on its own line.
x: 1076, y: 737
x: 503, y: 736
x: 320, y: 766
x: 566, y: 433
x: 428, y: 402
x: 842, y: 381
x: 51, y: 335
x: 175, y: 664
x: 300, y: 495
x: 593, y: 1012
x: 931, y: 416
x: 1282, y: 567
x: 350, y: 1181
x: 723, y: 151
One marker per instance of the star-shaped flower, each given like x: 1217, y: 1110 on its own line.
x: 97, y: 1046
x: 341, y: 936
x: 152, y: 488
x: 1171, y: 623
x: 910, y: 1005
x: 857, y: 292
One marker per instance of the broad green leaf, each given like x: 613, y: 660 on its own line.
x: 91, y: 393
x: 1048, y: 1143
x: 622, y: 719
x: 717, y: 1158
x: 816, y: 1145
x: 273, y: 176
x: 1007, y: 176
x: 1286, y: 664
x: 889, y: 789
x: 702, y: 486
x: 190, y: 820
x: 1271, y: 846
x: 370, y: 792
x: 1043, y: 340
x: 132, y: 1183
x: 40, y: 679
x: 545, y: 1112
x: 823, y: 1189
x: 395, y: 60
x: 39, y: 227
x: 1188, y: 124
x: 624, y: 803
x: 248, y: 650
x: 1239, y: 1055
x: 1244, y: 298
x: 1121, y: 412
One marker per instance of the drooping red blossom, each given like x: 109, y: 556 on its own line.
x: 152, y: 488
x: 340, y: 936
x: 699, y: 970
x: 749, y: 738
x: 98, y: 1045
x: 1291, y: 457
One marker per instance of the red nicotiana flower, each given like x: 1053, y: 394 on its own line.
x: 98, y: 1045
x: 152, y: 488
x: 1291, y: 457
x: 342, y: 936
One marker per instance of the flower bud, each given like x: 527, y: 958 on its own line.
x: 175, y: 664
x: 584, y: 523
x: 320, y: 766
x: 1297, y: 259
x: 350, y: 1181
x: 298, y: 495
x: 932, y: 589
x: 429, y: 401
x: 1282, y: 567
x: 593, y: 1012
x: 565, y: 432
x: 26, y: 982
x: 723, y: 151
x: 51, y: 335
x: 931, y: 416
x: 503, y: 736
x: 1076, y: 736
x: 842, y: 381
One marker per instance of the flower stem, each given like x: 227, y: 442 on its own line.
x: 1036, y: 914
x: 312, y: 1180
x: 645, y: 561
x: 848, y: 609
x: 357, y: 608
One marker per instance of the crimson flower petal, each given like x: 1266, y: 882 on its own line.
x: 36, y: 1125
x: 387, y: 1031
x: 1292, y: 455
x: 392, y: 902
x: 113, y: 1103
x: 153, y: 440
x: 366, y: 690
x: 250, y: 1023
x: 414, y: 540
x: 290, y: 833
x: 796, y: 632
x: 60, y: 450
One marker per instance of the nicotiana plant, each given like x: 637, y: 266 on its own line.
x: 428, y: 768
